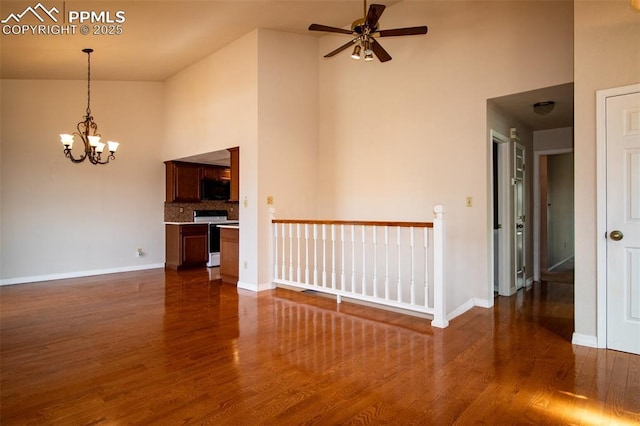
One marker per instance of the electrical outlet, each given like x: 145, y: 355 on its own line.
x: 246, y: 202
x: 245, y: 264
x: 270, y: 200
x: 469, y: 201
x: 139, y: 253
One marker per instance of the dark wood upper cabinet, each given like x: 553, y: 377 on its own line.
x: 182, y: 182
x: 235, y: 174
x: 211, y: 172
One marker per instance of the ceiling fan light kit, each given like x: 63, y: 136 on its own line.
x: 364, y: 31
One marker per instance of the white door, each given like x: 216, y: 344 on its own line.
x: 623, y: 222
x: 519, y: 215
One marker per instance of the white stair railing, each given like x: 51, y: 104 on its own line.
x: 357, y: 260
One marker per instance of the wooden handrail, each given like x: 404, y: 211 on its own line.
x: 357, y: 223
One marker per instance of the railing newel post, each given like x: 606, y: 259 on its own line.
x: 439, y: 292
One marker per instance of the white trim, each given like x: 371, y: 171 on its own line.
x: 483, y: 303
x: 80, y: 274
x: 536, y: 205
x: 528, y: 282
x: 471, y: 303
x: 551, y: 268
x: 460, y: 309
x: 584, y: 340
x: 255, y: 287
x: 601, y: 206
x: 504, y: 246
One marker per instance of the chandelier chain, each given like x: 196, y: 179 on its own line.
x: 88, y: 84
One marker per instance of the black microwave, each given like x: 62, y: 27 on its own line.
x: 215, y: 189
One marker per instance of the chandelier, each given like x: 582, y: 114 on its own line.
x: 87, y: 131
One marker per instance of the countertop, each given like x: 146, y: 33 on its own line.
x: 229, y: 226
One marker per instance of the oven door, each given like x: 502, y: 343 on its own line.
x: 214, y: 238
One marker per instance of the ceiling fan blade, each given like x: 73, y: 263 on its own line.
x: 403, y: 31
x: 325, y: 28
x: 375, y: 10
x: 377, y: 48
x: 341, y: 48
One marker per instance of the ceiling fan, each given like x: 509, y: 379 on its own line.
x: 364, y: 31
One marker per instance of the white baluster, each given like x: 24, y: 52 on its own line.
x: 333, y: 256
x: 386, y: 263
x: 375, y: 261
x: 306, y: 253
x: 291, y: 252
x: 284, y: 256
x: 275, y: 251
x: 364, y: 261
x: 342, y: 275
x: 315, y: 254
x: 399, y: 285
x: 413, y: 261
x: 426, y: 267
x: 439, y: 292
x: 353, y: 258
x: 298, y: 258
x: 324, y: 255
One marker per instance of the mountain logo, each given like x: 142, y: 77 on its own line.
x: 38, y: 11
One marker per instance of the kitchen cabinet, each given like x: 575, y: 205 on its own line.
x: 229, y: 256
x: 182, y: 182
x: 235, y: 174
x: 186, y: 246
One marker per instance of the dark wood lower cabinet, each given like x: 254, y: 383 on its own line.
x: 229, y: 257
x: 186, y: 246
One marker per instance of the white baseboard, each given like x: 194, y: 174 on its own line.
x: 460, y: 309
x: 562, y: 262
x: 255, y: 287
x: 80, y: 274
x: 584, y: 340
x: 482, y: 303
x: 528, y: 282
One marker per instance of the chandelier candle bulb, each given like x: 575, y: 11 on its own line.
x: 113, y: 146
x: 67, y: 140
x: 94, y: 141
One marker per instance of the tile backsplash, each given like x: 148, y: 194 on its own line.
x: 172, y: 211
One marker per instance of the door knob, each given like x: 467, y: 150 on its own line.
x: 616, y: 235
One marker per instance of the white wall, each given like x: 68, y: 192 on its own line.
x: 213, y: 105
x: 560, y: 190
x: 61, y: 219
x: 259, y: 93
x: 553, y: 139
x: 287, y: 130
x: 397, y: 138
x: 607, y: 54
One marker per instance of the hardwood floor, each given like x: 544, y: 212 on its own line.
x: 158, y: 347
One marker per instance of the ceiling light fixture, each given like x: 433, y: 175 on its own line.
x: 87, y: 130
x: 356, y: 52
x: 543, y: 108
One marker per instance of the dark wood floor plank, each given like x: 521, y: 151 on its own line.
x: 156, y: 347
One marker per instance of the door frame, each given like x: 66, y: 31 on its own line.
x: 601, y: 206
x: 504, y: 200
